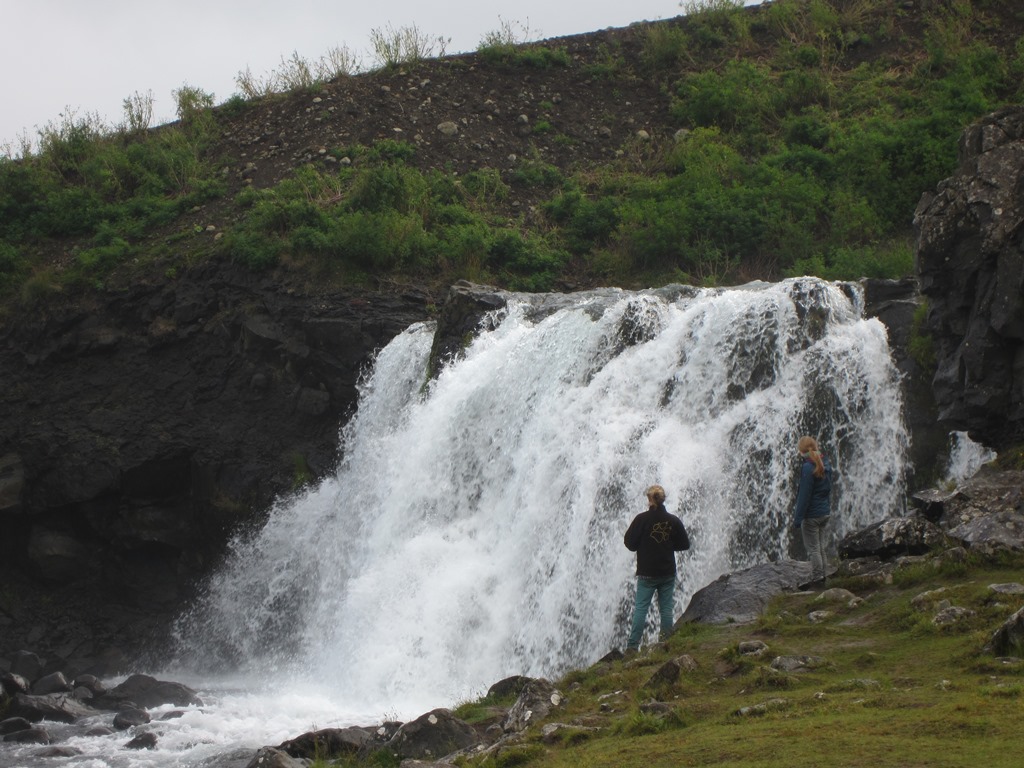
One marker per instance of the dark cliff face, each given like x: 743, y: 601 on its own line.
x: 136, y: 433
x: 970, y: 260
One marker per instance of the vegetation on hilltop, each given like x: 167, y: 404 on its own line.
x: 794, y: 138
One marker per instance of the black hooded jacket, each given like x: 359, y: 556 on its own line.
x: 656, y: 535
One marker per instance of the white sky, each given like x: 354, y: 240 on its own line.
x: 90, y: 55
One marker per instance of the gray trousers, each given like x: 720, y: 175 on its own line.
x: 815, y: 532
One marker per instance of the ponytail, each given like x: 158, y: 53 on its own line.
x: 819, y: 465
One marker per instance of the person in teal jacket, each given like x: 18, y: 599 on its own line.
x: 813, y: 507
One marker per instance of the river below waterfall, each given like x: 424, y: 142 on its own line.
x: 473, y: 528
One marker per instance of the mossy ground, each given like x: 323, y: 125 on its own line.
x: 893, y: 689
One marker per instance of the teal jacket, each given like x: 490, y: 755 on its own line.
x: 812, y: 499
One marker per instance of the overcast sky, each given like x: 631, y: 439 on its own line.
x: 90, y: 55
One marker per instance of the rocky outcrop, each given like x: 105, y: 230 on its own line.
x: 86, y: 700
x: 984, y: 516
x: 889, y: 538
x: 137, y: 432
x: 970, y: 261
x: 742, y: 596
x: 895, y: 304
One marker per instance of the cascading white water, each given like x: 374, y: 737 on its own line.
x: 474, y: 527
x: 966, y: 457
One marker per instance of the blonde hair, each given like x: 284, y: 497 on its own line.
x: 808, y: 446
x: 656, y: 494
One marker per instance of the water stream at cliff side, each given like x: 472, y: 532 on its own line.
x: 473, y: 529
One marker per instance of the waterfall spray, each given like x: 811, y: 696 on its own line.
x: 474, y: 526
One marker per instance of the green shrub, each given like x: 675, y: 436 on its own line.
x: 587, y: 223
x: 235, y: 105
x: 138, y: 112
x: 100, y: 260
x: 405, y: 45
x: 529, y: 264
x: 443, y: 189
x: 463, y: 248
x: 389, y: 150
x: 664, y: 47
x: 388, y: 187
x: 485, y: 186
x: 741, y: 95
x: 377, y: 241
x: 535, y: 56
x: 609, y: 65
x: 535, y: 173
x: 811, y: 127
x: 192, y: 102
x: 13, y: 268
x: 921, y: 345
x: 715, y: 23
x: 254, y: 250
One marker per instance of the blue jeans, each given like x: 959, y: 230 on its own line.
x: 646, y: 586
x: 816, y: 543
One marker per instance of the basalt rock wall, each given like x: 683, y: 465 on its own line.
x: 970, y: 262
x: 135, y: 433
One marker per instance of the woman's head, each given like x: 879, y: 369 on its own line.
x: 655, y: 495
x: 807, y: 446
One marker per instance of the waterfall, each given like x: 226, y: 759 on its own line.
x: 474, y: 527
x: 966, y: 457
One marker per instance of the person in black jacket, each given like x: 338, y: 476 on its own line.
x: 655, y: 535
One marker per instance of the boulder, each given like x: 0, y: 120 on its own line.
x: 142, y: 741
x: 27, y: 665
x: 537, y: 699
x: 147, y: 692
x: 892, y: 537
x: 327, y: 743
x: 1009, y: 638
x: 32, y: 735
x: 92, y: 683
x: 509, y: 686
x: 12, y: 724
x: 465, y: 309
x: 742, y: 596
x: 991, y: 533
x: 433, y: 735
x: 272, y: 757
x: 55, y: 682
x: 53, y: 706
x: 129, y: 717
x: 797, y: 663
x: 664, y: 676
x: 14, y: 683
x: 60, y: 751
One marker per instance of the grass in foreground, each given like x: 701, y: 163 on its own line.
x: 888, y: 687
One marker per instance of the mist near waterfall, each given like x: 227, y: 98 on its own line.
x: 473, y: 528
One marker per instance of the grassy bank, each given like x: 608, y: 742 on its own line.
x: 791, y: 138
x: 881, y: 683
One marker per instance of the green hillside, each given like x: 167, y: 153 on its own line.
x: 727, y: 145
